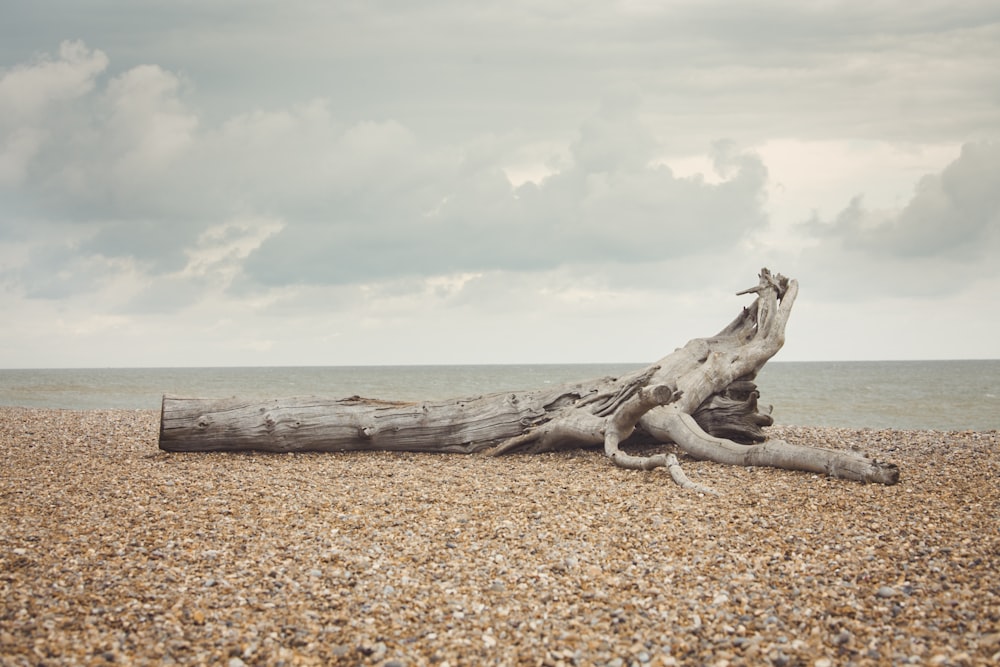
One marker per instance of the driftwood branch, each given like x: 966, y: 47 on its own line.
x: 701, y: 397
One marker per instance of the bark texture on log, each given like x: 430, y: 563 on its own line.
x: 701, y: 397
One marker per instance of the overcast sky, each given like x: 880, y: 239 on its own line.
x: 212, y: 182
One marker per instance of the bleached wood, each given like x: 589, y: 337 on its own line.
x: 709, y: 379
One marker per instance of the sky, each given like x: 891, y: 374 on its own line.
x: 253, y: 183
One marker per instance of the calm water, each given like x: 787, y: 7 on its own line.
x: 942, y: 395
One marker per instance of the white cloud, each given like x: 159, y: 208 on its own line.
x: 954, y: 215
x: 148, y: 125
x: 19, y: 147
x: 221, y: 248
x: 31, y: 99
x: 28, y: 91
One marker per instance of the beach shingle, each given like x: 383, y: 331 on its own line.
x: 111, y: 550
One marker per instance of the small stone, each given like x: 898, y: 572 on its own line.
x: 236, y: 662
x: 885, y: 592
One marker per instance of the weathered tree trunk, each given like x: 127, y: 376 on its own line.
x: 701, y: 397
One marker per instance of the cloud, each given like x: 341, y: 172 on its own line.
x: 133, y: 165
x: 29, y: 91
x: 58, y: 270
x: 937, y: 245
x: 954, y: 214
x: 608, y: 204
x: 94, y: 154
x: 148, y: 125
x: 32, y: 97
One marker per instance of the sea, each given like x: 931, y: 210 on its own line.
x: 924, y: 395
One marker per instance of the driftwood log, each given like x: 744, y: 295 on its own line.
x: 701, y: 397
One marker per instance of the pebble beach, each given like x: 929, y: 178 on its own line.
x: 113, y: 552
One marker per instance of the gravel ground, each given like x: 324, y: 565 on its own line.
x: 114, y: 552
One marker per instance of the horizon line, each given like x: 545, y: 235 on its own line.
x: 441, y: 365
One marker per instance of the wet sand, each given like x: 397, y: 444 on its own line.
x: 114, y: 552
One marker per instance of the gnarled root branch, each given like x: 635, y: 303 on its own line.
x: 612, y: 420
x: 681, y: 428
x: 622, y: 424
x: 682, y: 480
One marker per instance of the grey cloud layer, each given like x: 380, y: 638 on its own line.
x: 379, y: 138
x: 457, y: 69
x: 608, y: 206
x: 127, y: 160
x: 221, y: 177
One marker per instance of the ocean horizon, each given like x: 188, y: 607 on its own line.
x: 942, y: 395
